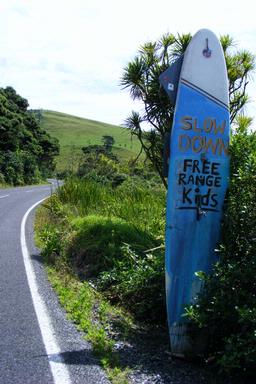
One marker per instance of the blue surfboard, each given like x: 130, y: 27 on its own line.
x: 197, y: 178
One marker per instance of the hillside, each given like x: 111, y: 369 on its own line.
x: 74, y: 133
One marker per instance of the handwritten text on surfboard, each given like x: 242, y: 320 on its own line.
x: 200, y: 179
x: 195, y: 175
x: 199, y: 142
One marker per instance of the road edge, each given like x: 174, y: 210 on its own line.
x: 58, y: 368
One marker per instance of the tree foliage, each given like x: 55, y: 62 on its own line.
x: 108, y: 142
x: 98, y: 163
x: 26, y: 151
x: 141, y: 78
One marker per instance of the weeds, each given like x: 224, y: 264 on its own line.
x: 92, y: 315
x: 104, y: 234
x: 133, y: 202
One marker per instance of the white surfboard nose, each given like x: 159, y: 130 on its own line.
x: 203, y: 66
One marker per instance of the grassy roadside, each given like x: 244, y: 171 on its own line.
x: 101, y: 322
x: 6, y: 186
x: 94, y: 316
x: 93, y: 240
x: 102, y: 247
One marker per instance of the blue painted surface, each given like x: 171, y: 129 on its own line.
x: 169, y: 79
x: 197, y: 184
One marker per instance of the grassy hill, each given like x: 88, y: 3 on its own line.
x: 74, y: 133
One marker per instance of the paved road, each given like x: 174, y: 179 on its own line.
x: 24, y: 349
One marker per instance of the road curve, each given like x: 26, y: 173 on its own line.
x: 24, y: 353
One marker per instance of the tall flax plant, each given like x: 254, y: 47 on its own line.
x: 137, y: 204
x: 140, y: 206
x: 84, y: 196
x: 117, y: 236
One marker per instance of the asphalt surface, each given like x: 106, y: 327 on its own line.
x: 23, y: 357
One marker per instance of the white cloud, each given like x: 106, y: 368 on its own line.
x: 68, y: 55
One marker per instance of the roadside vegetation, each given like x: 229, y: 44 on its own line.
x: 3, y: 185
x: 102, y: 233
x: 103, y: 244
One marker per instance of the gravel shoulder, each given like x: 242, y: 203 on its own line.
x: 148, y: 355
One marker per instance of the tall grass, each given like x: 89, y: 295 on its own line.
x: 115, y: 236
x: 132, y: 201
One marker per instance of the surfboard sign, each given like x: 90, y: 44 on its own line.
x: 197, y: 178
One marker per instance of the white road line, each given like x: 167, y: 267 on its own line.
x: 58, y: 368
x: 38, y: 189
x: 1, y: 197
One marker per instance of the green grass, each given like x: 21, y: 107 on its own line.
x: 94, y: 316
x: 134, y: 202
x: 100, y: 321
x: 103, y: 249
x: 74, y: 132
x: 113, y: 235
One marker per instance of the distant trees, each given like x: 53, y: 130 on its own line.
x: 27, y: 152
x: 108, y: 142
x: 141, y: 77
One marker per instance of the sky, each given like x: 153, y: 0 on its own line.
x: 69, y: 56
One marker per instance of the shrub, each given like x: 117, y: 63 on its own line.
x: 97, y: 243
x: 133, y: 201
x: 105, y: 233
x: 2, y: 178
x: 52, y: 243
x: 137, y: 283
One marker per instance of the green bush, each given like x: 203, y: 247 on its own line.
x: 137, y: 282
x: 97, y: 242
x: 2, y: 178
x: 99, y: 164
x: 133, y: 201
x: 52, y: 243
x: 106, y: 234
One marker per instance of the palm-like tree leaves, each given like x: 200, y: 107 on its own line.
x: 227, y: 42
x: 133, y: 122
x: 134, y: 79
x: 181, y: 43
x: 141, y: 77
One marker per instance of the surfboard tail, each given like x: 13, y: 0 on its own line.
x: 183, y: 344
x: 179, y: 339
